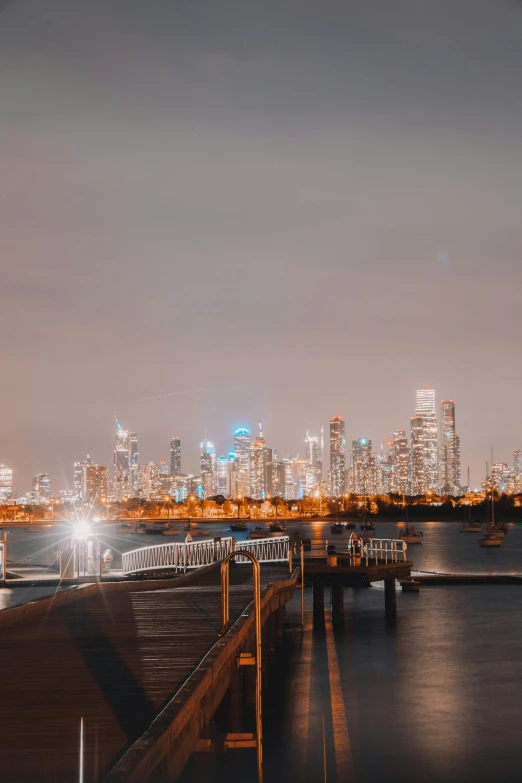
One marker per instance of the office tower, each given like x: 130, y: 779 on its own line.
x: 450, y: 478
x: 517, y: 469
x: 260, y: 454
x: 289, y: 480
x: 427, y: 410
x: 122, y: 462
x: 242, y: 452
x: 207, y: 463
x: 363, y: 464
x: 401, y: 457
x: 95, y: 483
x: 337, y: 456
x: 299, y: 469
x: 277, y: 476
x: 6, y: 483
x: 314, y: 457
x: 234, y: 468
x: 79, y: 486
x: 222, y: 479
x: 134, y: 464
x: 41, y: 490
x: 151, y: 482
x: 417, y: 469
x: 175, y: 456
x: 503, y: 478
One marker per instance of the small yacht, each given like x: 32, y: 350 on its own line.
x: 472, y: 526
x: 238, y: 527
x: 490, y: 538
x: 277, y: 527
x: 337, y: 528
x: 368, y: 525
x: 351, y: 526
x: 409, y: 536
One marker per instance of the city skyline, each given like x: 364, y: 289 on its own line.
x: 428, y: 459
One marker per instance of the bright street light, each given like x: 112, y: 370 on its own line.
x: 82, y: 530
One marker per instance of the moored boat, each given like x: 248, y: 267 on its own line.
x: 490, y: 538
x: 409, y: 536
x: 472, y: 527
x: 337, y: 528
x: 238, y: 527
x: 276, y: 527
x: 410, y: 585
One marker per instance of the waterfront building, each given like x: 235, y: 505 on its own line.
x: 79, y: 479
x: 222, y: 477
x: 242, y: 448
x: 207, y: 463
x: 450, y: 478
x: 289, y: 479
x: 277, y: 476
x: 122, y: 462
x: 401, y: 458
x: 300, y: 467
x: 41, y: 488
x: 175, y: 456
x: 314, y: 452
x: 503, y: 478
x: 426, y: 408
x: 337, y: 456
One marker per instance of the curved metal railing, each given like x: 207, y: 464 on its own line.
x: 180, y: 557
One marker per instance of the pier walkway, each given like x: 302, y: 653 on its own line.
x: 113, y: 656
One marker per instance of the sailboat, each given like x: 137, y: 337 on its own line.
x: 493, y: 536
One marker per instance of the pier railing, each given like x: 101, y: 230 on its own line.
x: 385, y: 550
x: 180, y: 558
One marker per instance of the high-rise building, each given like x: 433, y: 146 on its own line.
x: 6, y: 483
x: 95, y: 483
x: 517, y: 469
x: 234, y: 469
x: 175, y: 456
x: 79, y: 485
x: 450, y: 478
x: 122, y: 457
x: 41, y: 487
x: 222, y: 477
x: 242, y: 452
x: 207, y: 461
x: 134, y: 464
x: 363, y: 464
x: 417, y: 468
x: 427, y: 410
x: 314, y: 457
x: 260, y: 454
x: 401, y: 458
x: 151, y: 482
x: 337, y: 456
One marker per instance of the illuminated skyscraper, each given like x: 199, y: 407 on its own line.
x: 175, y: 456
x: 418, y: 473
x: 6, y: 483
x: 259, y: 456
x: 233, y: 475
x: 337, y: 456
x: 134, y: 464
x: 207, y: 462
x: 222, y: 478
x: 314, y: 457
x: 122, y: 462
x: 41, y: 487
x: 242, y: 452
x: 401, y: 456
x: 517, y: 469
x: 95, y: 483
x: 363, y: 464
x: 450, y: 478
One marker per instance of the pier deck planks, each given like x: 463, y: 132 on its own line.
x: 114, y: 659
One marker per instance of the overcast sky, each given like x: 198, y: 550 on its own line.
x: 305, y: 207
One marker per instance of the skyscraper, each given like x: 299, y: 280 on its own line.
x: 95, y: 482
x: 363, y: 464
x: 175, y: 457
x: 337, y: 456
x: 314, y: 457
x: 400, y: 481
x: 242, y: 452
x: 222, y: 477
x: 41, y: 487
x: 207, y: 462
x: 426, y: 414
x: 417, y: 470
x: 122, y: 462
x: 258, y: 469
x: 450, y: 478
x: 134, y: 464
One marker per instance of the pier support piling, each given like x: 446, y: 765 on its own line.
x: 390, y: 599
x: 318, y: 602
x: 337, y: 606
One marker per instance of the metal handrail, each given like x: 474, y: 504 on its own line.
x: 225, y: 617
x: 180, y: 557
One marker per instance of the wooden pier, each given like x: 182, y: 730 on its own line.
x: 133, y: 660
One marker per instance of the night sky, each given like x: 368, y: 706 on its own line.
x: 305, y: 207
